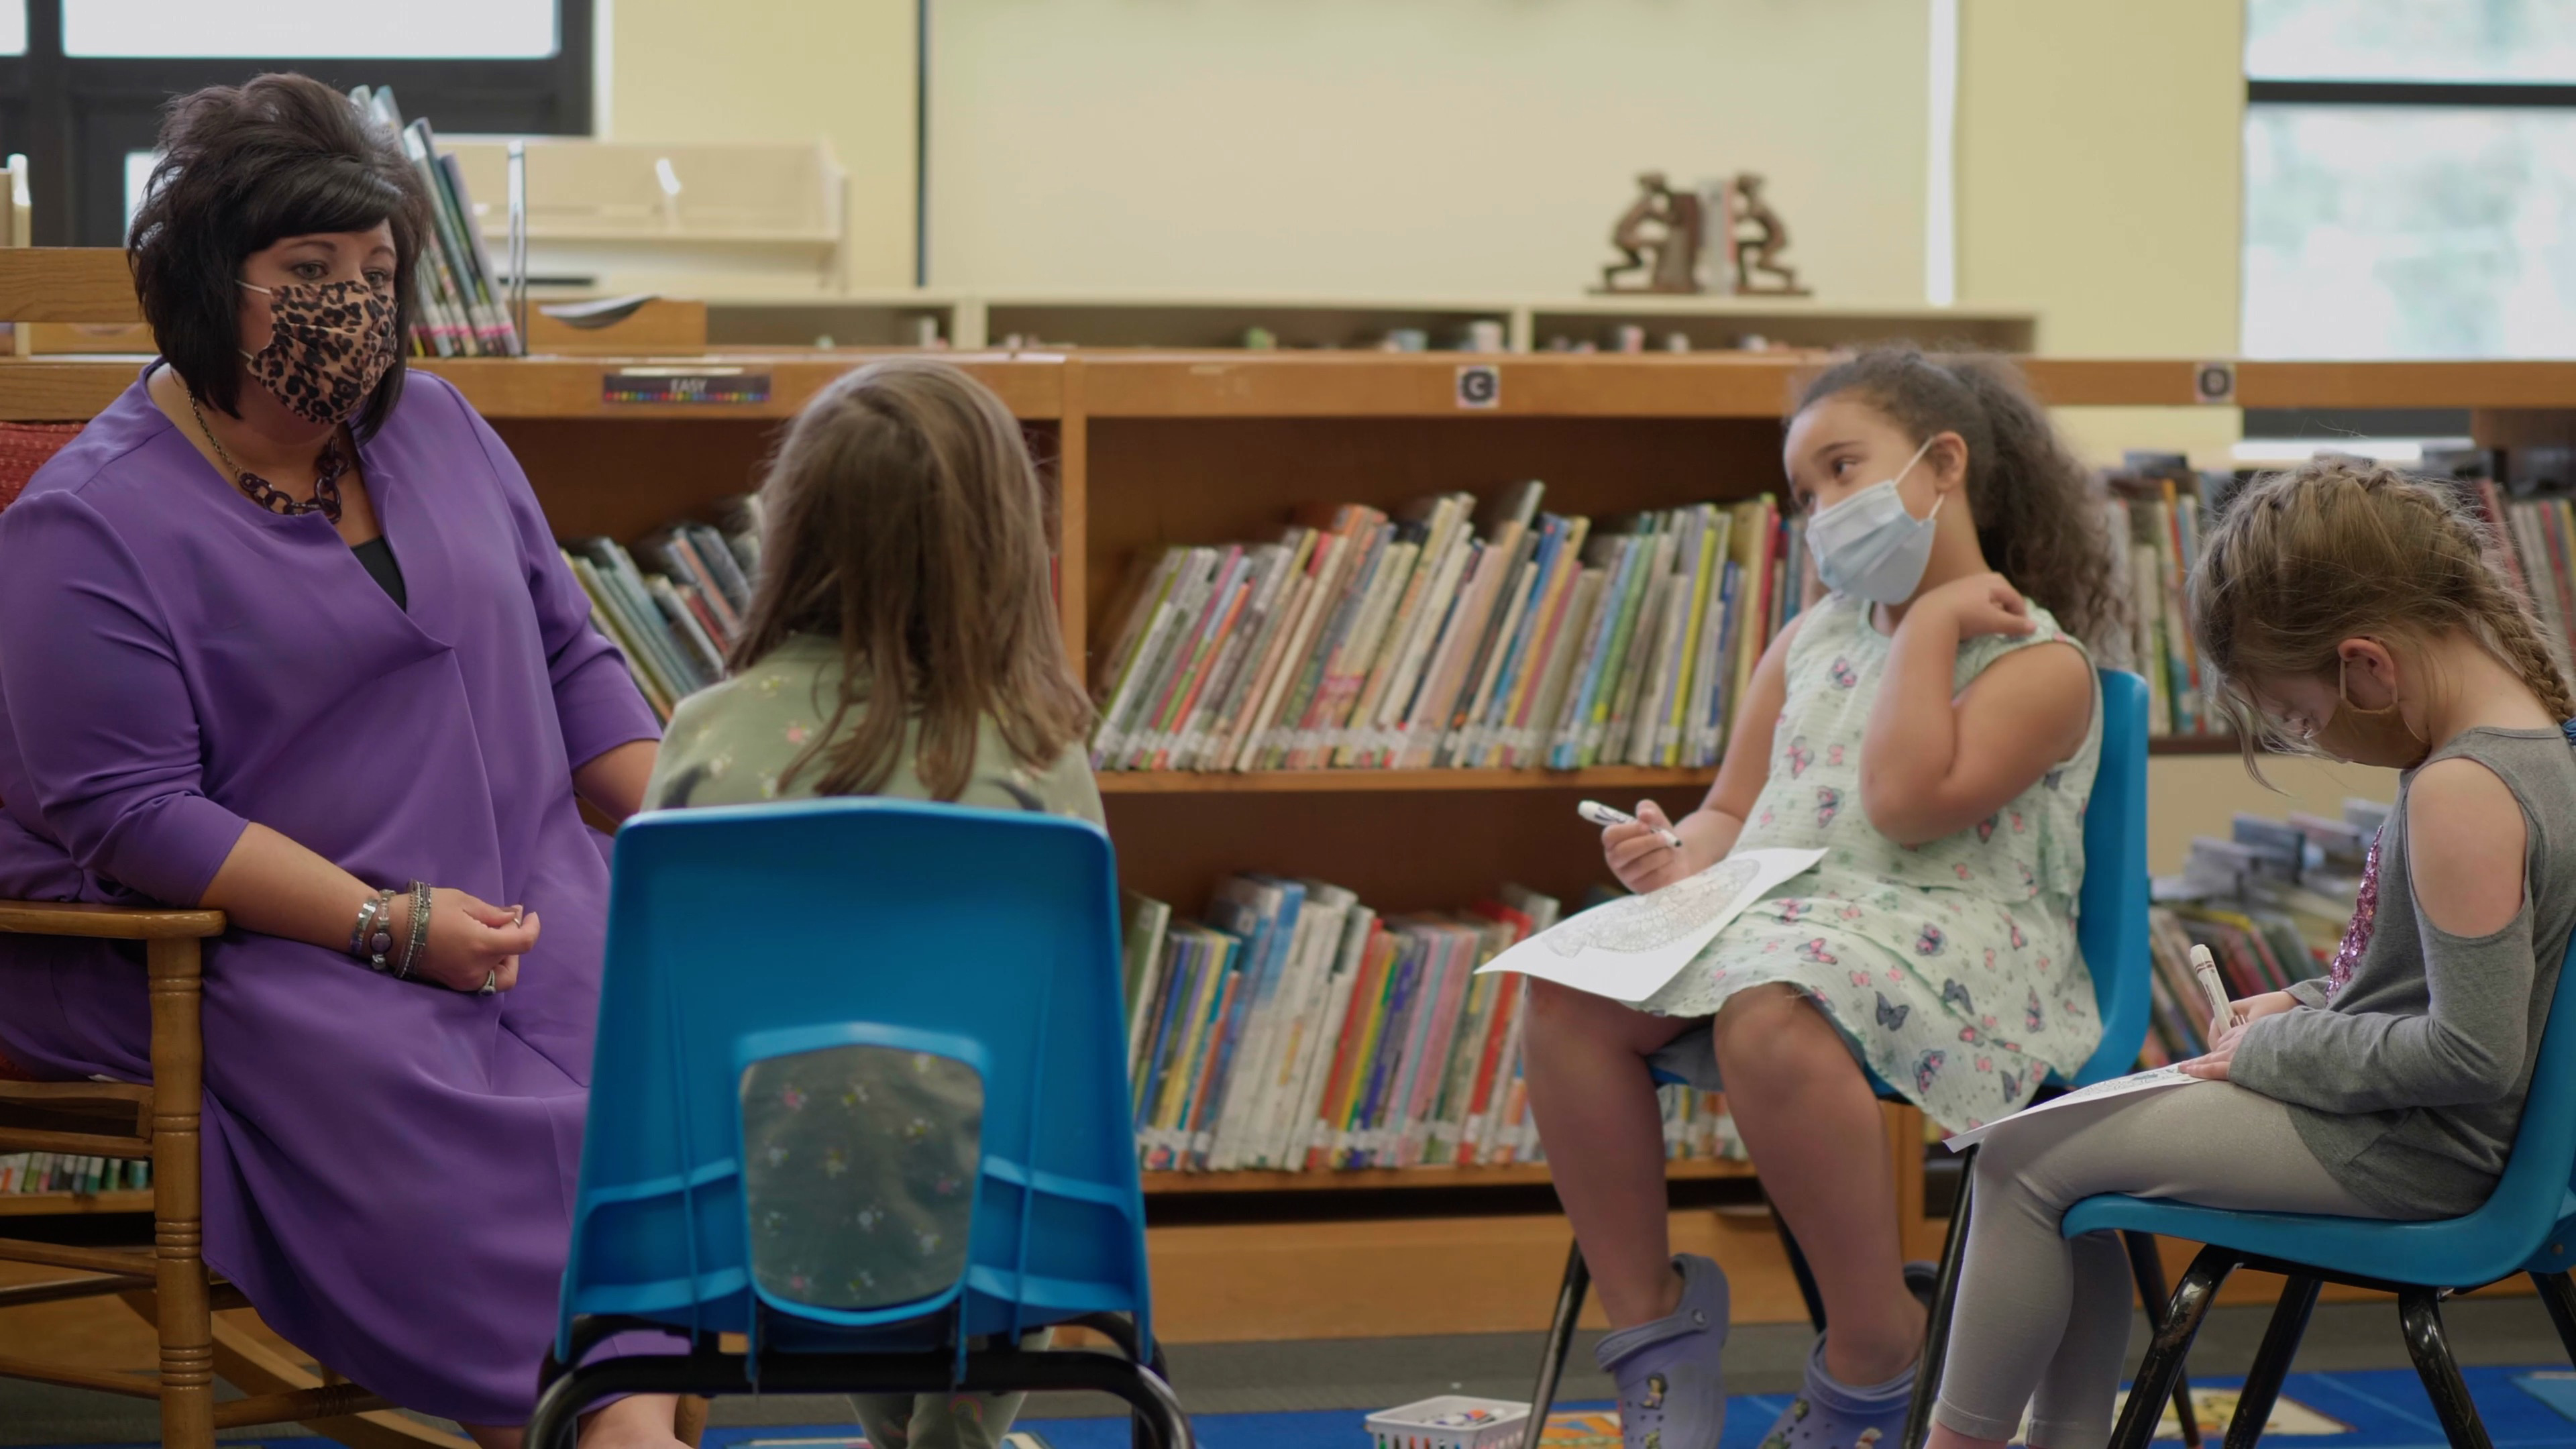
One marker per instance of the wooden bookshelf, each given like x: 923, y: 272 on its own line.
x: 1147, y: 449
x: 55, y: 1204
x: 1181, y: 1184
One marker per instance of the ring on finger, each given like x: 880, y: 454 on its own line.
x: 491, y: 982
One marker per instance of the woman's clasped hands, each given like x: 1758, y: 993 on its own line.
x: 471, y: 941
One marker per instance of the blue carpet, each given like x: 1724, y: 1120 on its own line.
x: 2383, y: 1409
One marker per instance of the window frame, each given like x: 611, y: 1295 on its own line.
x: 77, y: 117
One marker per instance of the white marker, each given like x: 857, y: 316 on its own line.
x: 2222, y: 1013
x: 1603, y: 815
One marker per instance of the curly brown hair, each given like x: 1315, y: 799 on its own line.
x: 2040, y: 512
x: 2338, y: 549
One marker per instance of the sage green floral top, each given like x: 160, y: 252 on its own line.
x: 732, y: 744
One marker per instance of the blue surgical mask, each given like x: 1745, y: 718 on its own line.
x: 1869, y: 547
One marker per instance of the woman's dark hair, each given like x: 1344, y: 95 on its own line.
x: 906, y: 523
x: 241, y: 168
x: 2039, y: 511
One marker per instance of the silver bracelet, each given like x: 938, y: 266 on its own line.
x: 419, y: 930
x: 373, y: 938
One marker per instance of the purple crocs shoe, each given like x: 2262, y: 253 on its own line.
x: 1672, y: 1389
x: 1831, y: 1415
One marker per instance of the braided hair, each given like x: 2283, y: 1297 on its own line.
x: 2302, y: 560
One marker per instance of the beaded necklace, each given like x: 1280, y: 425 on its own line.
x: 328, y: 466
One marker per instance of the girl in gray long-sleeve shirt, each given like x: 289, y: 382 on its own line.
x: 2347, y: 611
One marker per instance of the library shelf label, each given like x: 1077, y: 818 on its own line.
x: 694, y: 385
x: 1480, y: 385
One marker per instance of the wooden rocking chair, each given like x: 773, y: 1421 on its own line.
x: 165, y: 1279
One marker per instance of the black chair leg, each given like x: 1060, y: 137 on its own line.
x: 2272, y: 1361
x: 1807, y: 1290
x: 2558, y: 1294
x: 1121, y: 1330
x: 2162, y: 1368
x: 1560, y: 1339
x: 2419, y: 1313
x: 2149, y: 1271
x: 1945, y: 1297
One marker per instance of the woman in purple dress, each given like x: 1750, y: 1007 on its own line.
x: 283, y: 633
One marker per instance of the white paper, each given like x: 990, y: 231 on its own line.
x: 2153, y: 1079
x: 1628, y: 948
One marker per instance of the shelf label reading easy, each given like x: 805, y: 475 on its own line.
x: 686, y: 385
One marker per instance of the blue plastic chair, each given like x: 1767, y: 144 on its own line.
x: 2111, y: 929
x: 741, y: 941
x: 2527, y: 1226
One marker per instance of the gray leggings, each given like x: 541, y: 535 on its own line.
x: 2043, y: 1321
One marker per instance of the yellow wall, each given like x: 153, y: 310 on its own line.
x: 1426, y: 148
x: 779, y: 70
x: 2099, y: 180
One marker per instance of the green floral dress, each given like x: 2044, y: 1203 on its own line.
x: 1950, y: 967
x: 861, y: 1163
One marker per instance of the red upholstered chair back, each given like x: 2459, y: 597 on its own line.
x: 24, y: 448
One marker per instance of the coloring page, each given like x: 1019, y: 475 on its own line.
x: 1628, y: 948
x: 2147, y: 1081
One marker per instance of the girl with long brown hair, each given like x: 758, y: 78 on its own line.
x: 2353, y: 613
x: 902, y: 642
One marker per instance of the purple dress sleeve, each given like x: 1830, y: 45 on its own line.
x: 102, y: 711
x: 595, y: 696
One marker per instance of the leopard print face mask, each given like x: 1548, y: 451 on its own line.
x: 329, y: 344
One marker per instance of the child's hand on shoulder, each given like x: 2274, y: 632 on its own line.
x: 1978, y: 604
x: 1638, y: 856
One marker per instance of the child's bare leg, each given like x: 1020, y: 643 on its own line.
x: 1807, y: 1115
x: 1595, y: 1103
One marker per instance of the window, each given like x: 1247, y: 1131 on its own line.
x: 82, y: 88
x: 2410, y: 178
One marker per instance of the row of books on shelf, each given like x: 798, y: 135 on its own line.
x: 2158, y: 509
x: 1450, y: 635
x: 2535, y: 539
x: 2270, y: 902
x: 53, y: 1172
x: 676, y: 601
x: 457, y: 294
x: 1295, y: 1029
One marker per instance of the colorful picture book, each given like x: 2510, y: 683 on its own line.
x: 35, y: 1172
x: 673, y: 603
x: 1295, y: 1029
x: 459, y: 304
x: 1453, y: 634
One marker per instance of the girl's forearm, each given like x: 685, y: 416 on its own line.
x: 276, y: 887
x: 1912, y: 741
